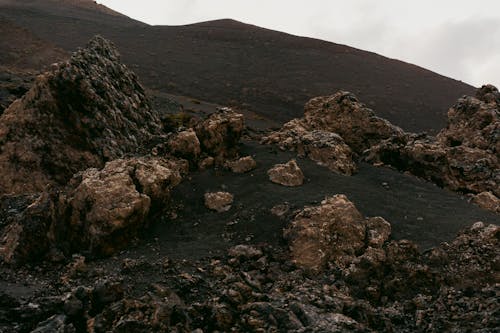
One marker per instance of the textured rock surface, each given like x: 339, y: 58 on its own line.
x: 288, y: 174
x: 325, y: 148
x: 220, y: 133
x: 463, y: 157
x: 108, y: 207
x: 487, y: 200
x: 99, y: 213
x: 185, y: 144
x: 335, y: 231
x: 342, y: 113
x: 242, y: 165
x: 218, y: 201
x: 253, y: 288
x: 84, y: 112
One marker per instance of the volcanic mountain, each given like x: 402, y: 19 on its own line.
x: 231, y: 63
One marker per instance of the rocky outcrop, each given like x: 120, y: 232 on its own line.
x: 342, y: 113
x: 323, y: 147
x: 242, y: 165
x: 463, y: 157
x: 333, y: 232
x: 333, y: 132
x: 287, y: 174
x: 218, y: 201
x: 220, y: 133
x: 99, y: 213
x: 81, y: 114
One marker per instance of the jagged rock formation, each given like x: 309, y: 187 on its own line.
x: 463, y: 157
x: 333, y: 130
x: 219, y: 201
x: 287, y: 174
x: 325, y: 148
x: 100, y: 212
x: 333, y: 232
x: 81, y: 114
x: 487, y: 200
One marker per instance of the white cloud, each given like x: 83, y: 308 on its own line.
x: 456, y: 38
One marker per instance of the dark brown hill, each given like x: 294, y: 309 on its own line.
x: 227, y: 62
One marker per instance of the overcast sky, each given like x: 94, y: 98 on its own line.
x: 456, y: 38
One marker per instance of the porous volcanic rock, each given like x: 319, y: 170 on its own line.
x: 82, y: 113
x: 487, y: 200
x: 99, y: 212
x: 325, y: 148
x: 287, y: 174
x: 107, y: 208
x: 463, y: 157
x: 220, y: 133
x: 335, y: 231
x: 344, y: 114
x: 185, y: 144
x: 218, y: 201
x: 242, y: 165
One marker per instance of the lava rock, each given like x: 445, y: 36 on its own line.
x: 219, y: 201
x: 288, y: 174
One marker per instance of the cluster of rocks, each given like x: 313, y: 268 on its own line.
x: 368, y: 284
x: 462, y: 157
x: 86, y: 163
x: 338, y: 129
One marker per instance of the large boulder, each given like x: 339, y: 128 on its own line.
x: 323, y: 147
x: 333, y: 232
x: 98, y: 213
x: 82, y: 113
x: 218, y: 201
x: 220, y: 133
x: 107, y: 208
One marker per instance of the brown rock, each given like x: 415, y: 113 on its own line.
x: 220, y: 133
x: 464, y: 156
x: 335, y: 231
x: 487, y: 200
x: 325, y: 148
x: 219, y: 201
x: 343, y: 114
x: 288, y: 174
x: 242, y: 165
x: 107, y: 207
x: 185, y: 144
x: 84, y: 112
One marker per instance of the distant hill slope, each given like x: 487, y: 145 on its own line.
x: 228, y: 62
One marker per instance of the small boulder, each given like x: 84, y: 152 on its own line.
x: 288, y: 174
x: 219, y: 201
x: 185, y: 144
x: 242, y: 165
x: 487, y: 200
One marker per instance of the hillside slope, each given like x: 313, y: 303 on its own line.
x: 228, y: 62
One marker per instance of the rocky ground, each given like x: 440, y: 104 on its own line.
x: 124, y: 216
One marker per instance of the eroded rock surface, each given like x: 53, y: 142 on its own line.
x: 81, y: 114
x: 287, y: 174
x: 99, y: 213
x: 218, y: 201
x: 220, y: 133
x: 463, y: 157
x: 325, y: 148
x: 242, y: 165
x: 487, y: 200
x: 335, y: 231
